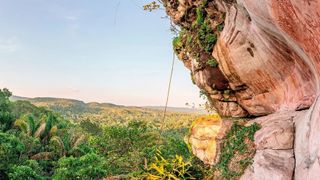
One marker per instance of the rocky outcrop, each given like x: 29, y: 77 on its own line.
x: 307, y: 144
x: 271, y: 164
x: 206, y: 136
x: 258, y: 58
x: 267, y: 52
x: 274, y: 142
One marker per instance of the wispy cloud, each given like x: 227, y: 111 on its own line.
x: 72, y: 23
x: 71, y: 18
x: 10, y: 44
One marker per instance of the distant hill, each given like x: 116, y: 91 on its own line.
x: 111, y: 113
x: 177, y: 109
x: 54, y: 103
x: 19, y: 98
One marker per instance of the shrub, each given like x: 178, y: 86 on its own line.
x: 176, y: 168
x: 207, y: 38
x: 200, y: 16
x: 85, y: 167
x: 126, y: 146
x: 26, y: 172
x: 237, y: 150
x: 177, y: 43
x: 6, y: 117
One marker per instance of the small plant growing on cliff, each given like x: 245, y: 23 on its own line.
x: 237, y: 151
x: 177, y: 43
x: 220, y: 27
x: 152, y: 6
x: 207, y: 38
x: 212, y: 62
x: 200, y: 16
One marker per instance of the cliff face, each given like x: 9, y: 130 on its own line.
x: 260, y: 58
x: 266, y: 52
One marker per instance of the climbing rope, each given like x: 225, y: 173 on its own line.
x: 168, y: 93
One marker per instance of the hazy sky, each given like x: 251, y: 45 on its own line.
x: 101, y: 50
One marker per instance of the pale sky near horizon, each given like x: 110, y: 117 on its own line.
x: 103, y: 51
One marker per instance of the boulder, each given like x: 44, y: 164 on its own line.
x: 205, y: 138
x: 271, y: 164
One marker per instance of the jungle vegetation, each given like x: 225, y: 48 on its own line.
x: 49, y: 138
x: 65, y: 139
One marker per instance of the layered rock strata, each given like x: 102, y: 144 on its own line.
x: 267, y: 52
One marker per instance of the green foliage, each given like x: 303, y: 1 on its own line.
x: 212, y: 62
x: 177, y: 43
x: 174, y: 144
x: 176, y: 168
x: 125, y: 146
x: 154, y: 5
x: 220, y: 27
x: 236, y: 143
x: 88, y: 166
x: 6, y: 117
x: 10, y: 150
x: 22, y: 108
x: 92, y: 128
x: 106, y: 140
x: 200, y: 16
x: 207, y: 38
x: 30, y: 170
x: 32, y: 145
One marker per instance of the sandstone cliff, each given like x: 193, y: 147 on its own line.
x: 259, y: 58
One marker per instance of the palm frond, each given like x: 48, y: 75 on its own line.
x: 22, y: 125
x: 79, y: 141
x: 49, y: 124
x: 40, y: 130
x: 43, y: 156
x: 53, y: 131
x: 32, y: 124
x: 58, y: 143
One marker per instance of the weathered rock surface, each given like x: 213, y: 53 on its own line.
x: 277, y: 131
x: 205, y: 138
x: 274, y: 142
x: 307, y: 144
x: 268, y: 53
x: 271, y: 164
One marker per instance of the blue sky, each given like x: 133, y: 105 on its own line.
x: 102, y: 50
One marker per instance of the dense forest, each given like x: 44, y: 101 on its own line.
x: 68, y: 139
x: 38, y: 143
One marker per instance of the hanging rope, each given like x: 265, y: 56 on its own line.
x: 168, y: 94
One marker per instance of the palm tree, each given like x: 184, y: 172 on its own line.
x: 44, y: 130
x: 65, y: 146
x: 26, y: 124
x: 60, y: 146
